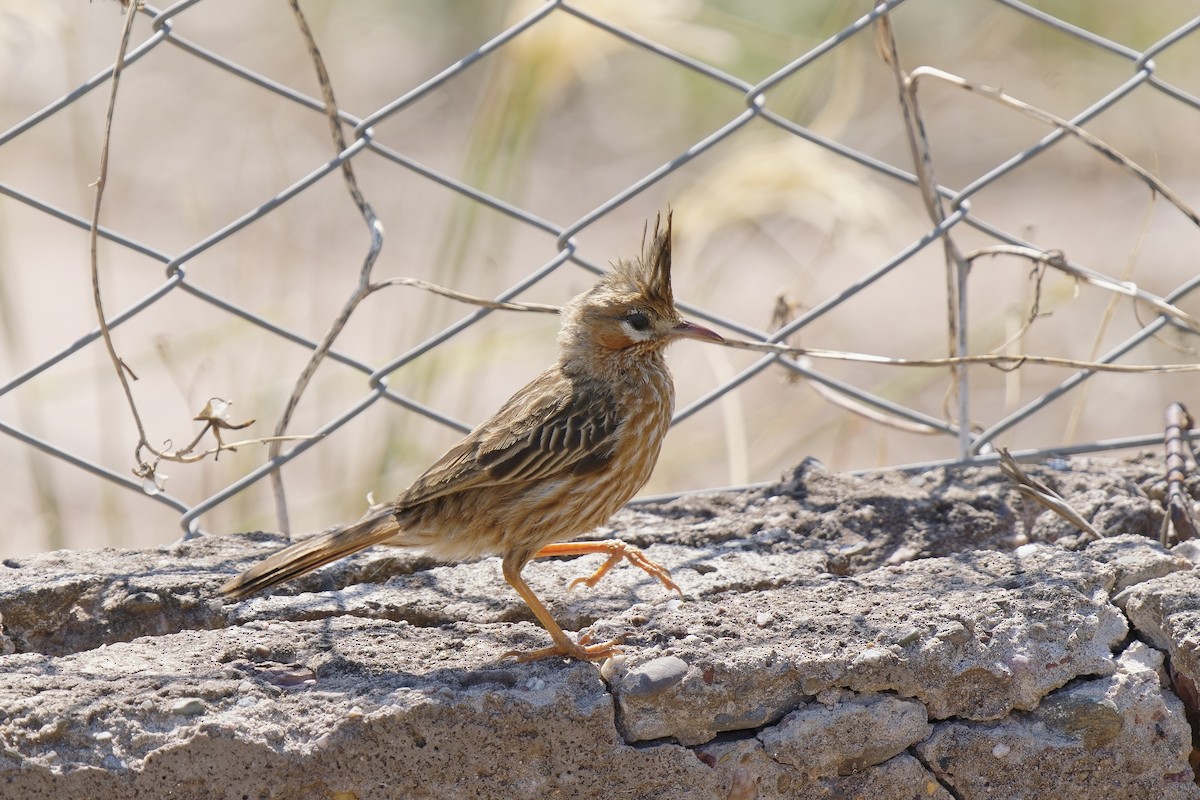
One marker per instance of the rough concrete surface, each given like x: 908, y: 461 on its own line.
x: 899, y: 636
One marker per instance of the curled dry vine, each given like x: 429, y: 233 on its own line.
x: 214, y: 415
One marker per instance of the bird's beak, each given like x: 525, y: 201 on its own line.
x: 690, y: 330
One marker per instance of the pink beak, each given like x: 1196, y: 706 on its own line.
x: 690, y: 330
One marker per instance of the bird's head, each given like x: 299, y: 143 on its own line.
x: 632, y: 308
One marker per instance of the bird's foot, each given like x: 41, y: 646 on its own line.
x: 581, y: 650
x: 616, y: 552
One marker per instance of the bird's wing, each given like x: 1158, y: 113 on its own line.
x: 551, y: 427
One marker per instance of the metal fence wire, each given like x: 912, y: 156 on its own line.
x: 905, y: 207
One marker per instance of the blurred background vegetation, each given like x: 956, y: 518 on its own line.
x: 557, y: 122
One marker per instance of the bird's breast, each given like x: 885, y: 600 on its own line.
x: 567, y: 507
x: 646, y: 405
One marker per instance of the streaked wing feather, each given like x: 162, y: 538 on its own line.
x: 551, y: 427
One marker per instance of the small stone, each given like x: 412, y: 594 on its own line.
x: 1001, y: 750
x: 654, y: 677
x: 188, y: 706
x: 142, y: 603
x: 954, y: 632
x: 1095, y: 721
x: 860, y: 732
x: 535, y: 684
x: 872, y: 656
x: 1189, y: 550
x: 763, y: 618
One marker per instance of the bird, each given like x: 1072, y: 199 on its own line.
x: 554, y: 462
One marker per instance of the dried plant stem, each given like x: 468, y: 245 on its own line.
x: 93, y: 233
x: 361, y: 290
x: 145, y: 468
x: 1056, y: 259
x: 465, y: 298
x: 1043, y: 495
x: 1090, y: 140
x: 956, y: 265
x: 1000, y: 361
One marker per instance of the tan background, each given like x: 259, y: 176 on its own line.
x: 557, y: 122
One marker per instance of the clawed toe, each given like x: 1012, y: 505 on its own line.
x: 580, y: 650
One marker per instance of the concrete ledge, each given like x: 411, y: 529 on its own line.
x: 931, y: 636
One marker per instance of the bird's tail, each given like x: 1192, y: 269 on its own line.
x: 378, y: 524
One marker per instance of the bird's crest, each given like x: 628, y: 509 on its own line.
x: 651, y: 274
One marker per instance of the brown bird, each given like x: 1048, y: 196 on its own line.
x: 555, y: 461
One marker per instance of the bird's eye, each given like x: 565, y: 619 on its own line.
x: 638, y: 320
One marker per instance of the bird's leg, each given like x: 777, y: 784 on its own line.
x: 563, y: 646
x: 615, y: 550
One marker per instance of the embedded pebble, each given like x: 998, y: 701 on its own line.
x: 872, y: 656
x: 654, y: 677
x: 188, y: 706
x: 954, y: 632
x: 142, y: 603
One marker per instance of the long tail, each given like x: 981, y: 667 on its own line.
x: 378, y: 524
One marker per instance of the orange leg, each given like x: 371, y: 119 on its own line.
x: 616, y: 550
x: 563, y: 646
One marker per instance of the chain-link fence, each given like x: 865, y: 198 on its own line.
x: 837, y: 185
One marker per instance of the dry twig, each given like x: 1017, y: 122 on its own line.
x: 956, y: 265
x: 1056, y: 260
x: 361, y: 290
x: 1043, y: 494
x: 1088, y: 139
x: 214, y: 413
x: 999, y: 361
